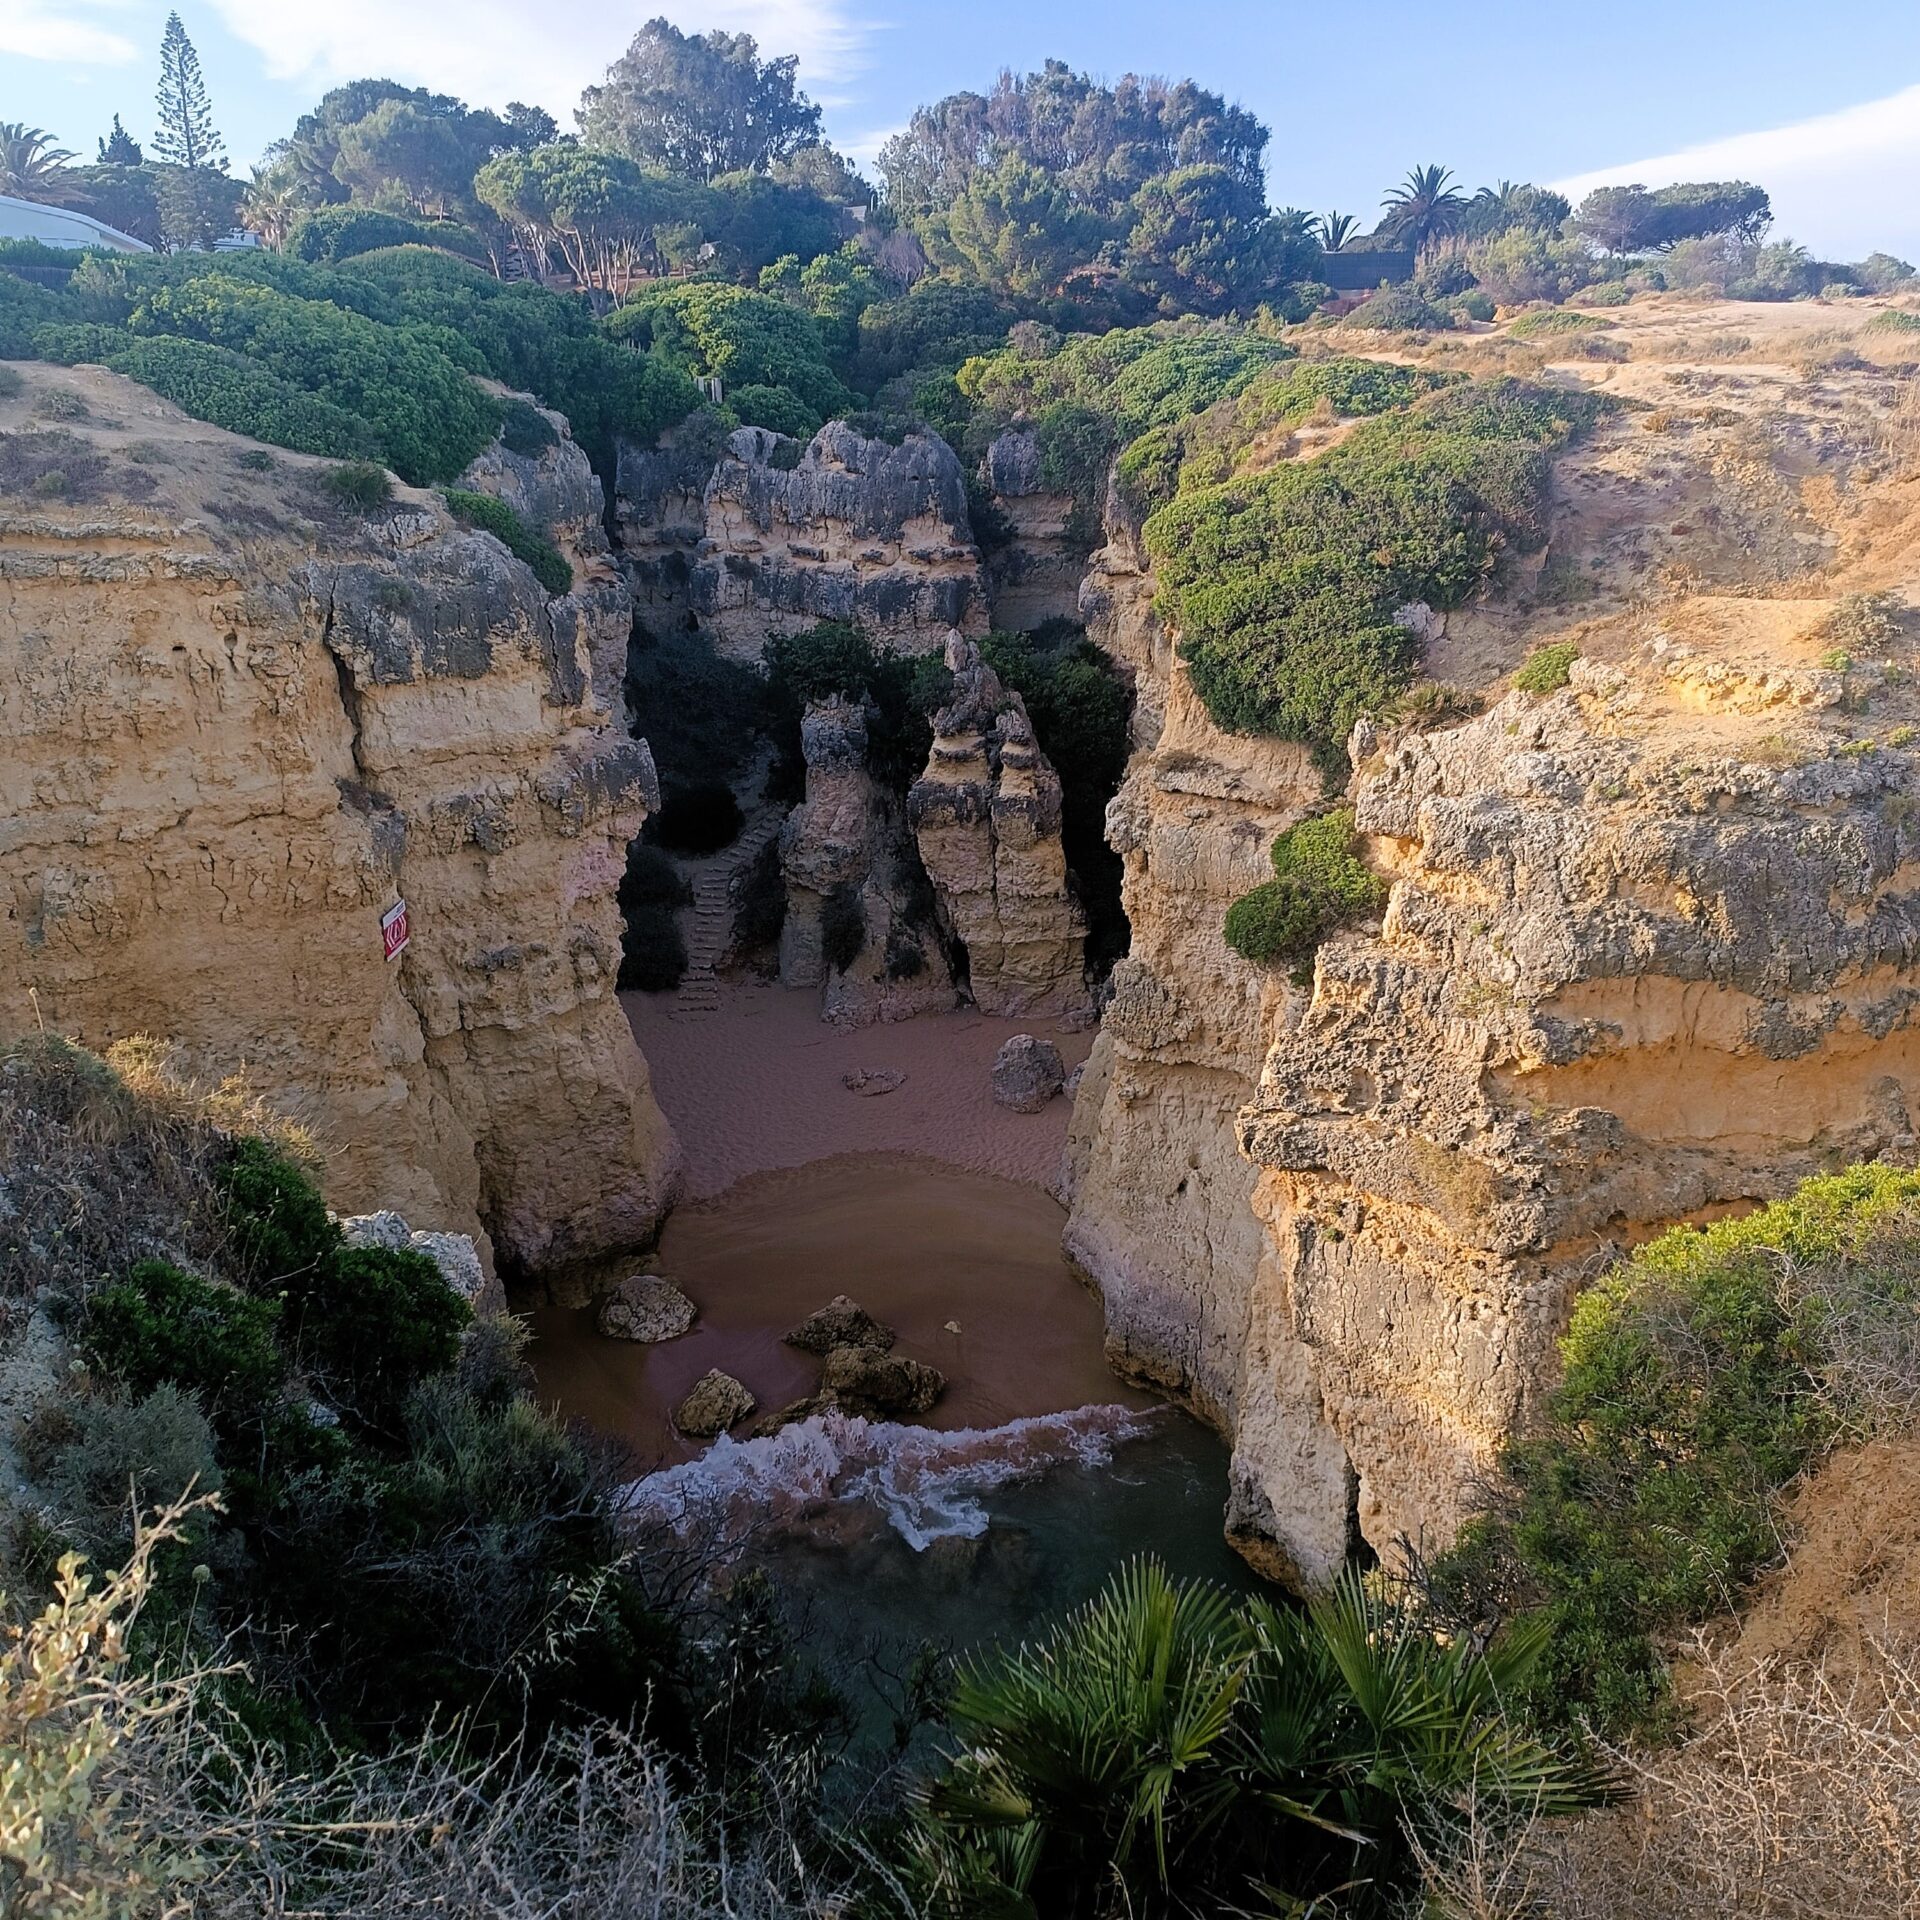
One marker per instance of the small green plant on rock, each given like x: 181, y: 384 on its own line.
x: 1547, y: 669
x: 485, y: 514
x: 1319, y: 882
x: 359, y: 485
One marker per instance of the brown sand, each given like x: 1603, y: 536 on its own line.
x: 916, y: 1243
x: 757, y: 1086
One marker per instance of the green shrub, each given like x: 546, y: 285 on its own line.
x: 1318, y: 883
x: 276, y: 1221
x: 256, y: 460
x: 843, y: 926
x: 526, y: 431
x: 652, y: 880
x: 1283, y: 585
x: 488, y: 515
x: 1474, y: 305
x: 1397, y: 310
x: 653, y: 954
x: 897, y: 690
x: 54, y: 465
x: 116, y: 1457
x: 749, y: 339
x: 161, y: 1325
x: 777, y: 409
x: 10, y: 383
x: 430, y: 417
x: 697, y: 820
x: 72, y: 344
x: 1896, y: 320
x: 699, y: 712
x: 372, y: 1323
x: 760, y: 906
x: 226, y: 389
x: 1547, y: 669
x: 1557, y: 320
x: 329, y: 234
x: 1700, y: 1378
x: 361, y: 485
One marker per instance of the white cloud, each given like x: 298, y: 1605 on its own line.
x: 864, y: 149
x: 1843, y: 183
x: 542, y: 51
x: 51, y: 30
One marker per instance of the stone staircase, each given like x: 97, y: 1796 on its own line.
x: 708, y: 922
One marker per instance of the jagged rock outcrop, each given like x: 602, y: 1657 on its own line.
x: 850, y: 872
x: 557, y: 491
x: 844, y: 528
x: 240, y: 724
x: 986, y: 815
x: 1034, y: 573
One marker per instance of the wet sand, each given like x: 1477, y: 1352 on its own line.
x: 757, y: 1086
x: 915, y: 1242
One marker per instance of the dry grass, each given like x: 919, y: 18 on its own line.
x: 1796, y: 1797
x: 104, y: 1162
x: 123, y: 1797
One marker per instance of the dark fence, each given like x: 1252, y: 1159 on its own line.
x: 1360, y: 272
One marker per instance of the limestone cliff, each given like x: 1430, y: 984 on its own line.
x: 240, y: 722
x: 1651, y: 951
x: 986, y: 815
x: 767, y: 536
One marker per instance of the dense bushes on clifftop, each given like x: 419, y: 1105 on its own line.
x: 1702, y: 1376
x: 1286, y: 586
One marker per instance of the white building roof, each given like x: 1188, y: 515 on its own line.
x: 61, y: 227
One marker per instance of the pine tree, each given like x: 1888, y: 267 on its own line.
x: 186, y: 136
x: 120, y: 148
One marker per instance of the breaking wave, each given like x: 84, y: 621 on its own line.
x: 927, y: 1486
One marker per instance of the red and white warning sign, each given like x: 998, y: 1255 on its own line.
x: 393, y: 929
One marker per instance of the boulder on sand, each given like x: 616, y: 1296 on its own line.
x: 859, y: 1380
x: 1027, y: 1073
x: 840, y: 1323
x: 717, y: 1402
x: 646, y: 1308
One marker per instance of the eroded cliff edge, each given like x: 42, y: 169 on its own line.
x: 1649, y: 953
x: 241, y: 722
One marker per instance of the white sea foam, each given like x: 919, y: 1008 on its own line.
x: 927, y: 1485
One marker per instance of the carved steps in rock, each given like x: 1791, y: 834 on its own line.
x: 708, y: 925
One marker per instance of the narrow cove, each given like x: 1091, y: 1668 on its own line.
x: 1037, y: 1474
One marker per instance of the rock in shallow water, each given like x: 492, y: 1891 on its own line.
x: 1027, y: 1073
x: 648, y: 1309
x: 862, y: 1381
x: 717, y: 1402
x: 840, y: 1323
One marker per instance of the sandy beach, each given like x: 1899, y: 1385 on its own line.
x: 757, y: 1086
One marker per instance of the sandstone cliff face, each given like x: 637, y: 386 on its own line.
x: 1651, y: 951
x: 239, y: 725
x: 1035, y: 576
x: 845, y: 849
x: 986, y: 814
x: 845, y: 528
x: 558, y: 492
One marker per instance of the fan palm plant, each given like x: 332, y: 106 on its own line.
x: 1336, y: 229
x: 1165, y: 1751
x: 30, y: 164
x: 1424, y: 206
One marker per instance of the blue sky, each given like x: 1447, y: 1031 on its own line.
x: 1820, y: 103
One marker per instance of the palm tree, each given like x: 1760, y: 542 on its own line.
x: 272, y: 203
x: 1168, y: 1745
x: 1336, y: 229
x: 1423, y: 206
x: 30, y: 164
